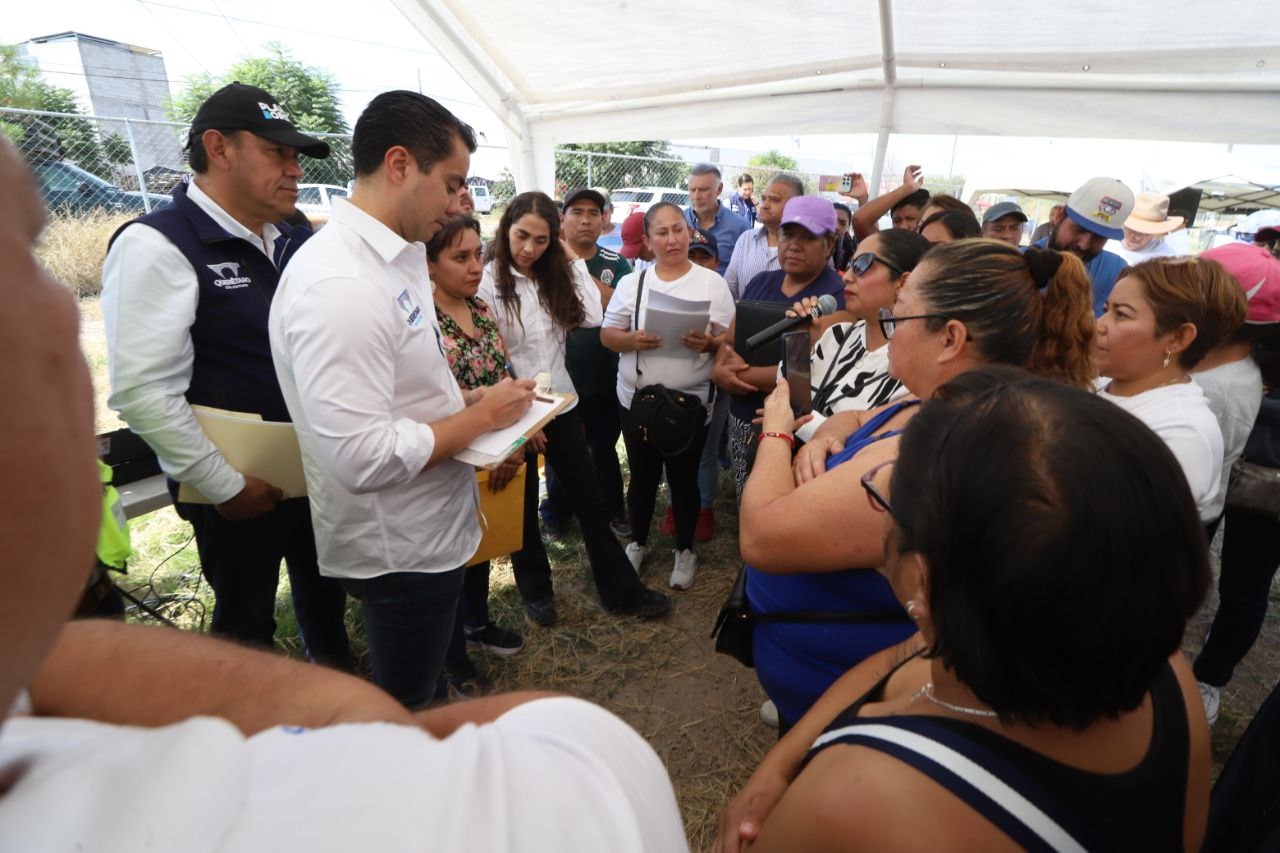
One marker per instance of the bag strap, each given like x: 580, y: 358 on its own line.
x: 635, y: 324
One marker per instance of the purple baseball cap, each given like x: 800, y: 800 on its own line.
x: 816, y: 215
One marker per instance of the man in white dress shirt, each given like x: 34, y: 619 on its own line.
x: 185, y: 295
x: 378, y: 412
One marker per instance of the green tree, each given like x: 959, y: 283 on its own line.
x: 776, y: 160
x: 643, y: 163
x: 308, y: 94
x: 74, y: 139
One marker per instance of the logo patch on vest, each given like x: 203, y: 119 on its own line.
x: 606, y: 276
x: 413, y: 312
x: 228, y: 276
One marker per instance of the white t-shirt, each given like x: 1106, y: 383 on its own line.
x: 846, y: 376
x: 1234, y: 392
x: 552, y: 775
x: 691, y: 374
x: 1180, y: 415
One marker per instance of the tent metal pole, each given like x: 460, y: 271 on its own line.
x: 890, y: 61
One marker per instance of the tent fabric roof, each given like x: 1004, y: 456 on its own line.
x: 586, y: 70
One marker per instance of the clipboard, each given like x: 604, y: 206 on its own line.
x: 491, y: 449
x: 267, y: 450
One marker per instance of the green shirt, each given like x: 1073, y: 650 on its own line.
x: 593, y: 368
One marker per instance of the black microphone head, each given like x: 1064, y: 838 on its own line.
x: 826, y: 304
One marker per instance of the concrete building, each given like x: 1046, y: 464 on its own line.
x: 113, y: 80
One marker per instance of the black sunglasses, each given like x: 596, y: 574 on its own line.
x: 860, y: 264
x: 887, y: 320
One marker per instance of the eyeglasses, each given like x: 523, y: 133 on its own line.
x: 860, y: 264
x: 874, y: 496
x: 888, y: 321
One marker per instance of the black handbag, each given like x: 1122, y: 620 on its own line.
x: 733, y: 626
x: 1254, y: 488
x: 664, y: 419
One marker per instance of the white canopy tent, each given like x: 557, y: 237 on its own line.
x: 605, y: 70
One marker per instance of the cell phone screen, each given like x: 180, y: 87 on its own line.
x: 795, y: 367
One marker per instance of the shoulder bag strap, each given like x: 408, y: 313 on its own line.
x: 635, y: 323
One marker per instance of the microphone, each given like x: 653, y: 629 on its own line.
x: 826, y: 305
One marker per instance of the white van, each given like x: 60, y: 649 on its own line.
x: 480, y: 195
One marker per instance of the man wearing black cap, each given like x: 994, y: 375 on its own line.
x: 185, y: 299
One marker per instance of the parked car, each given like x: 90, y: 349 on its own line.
x: 629, y: 200
x: 316, y: 201
x: 480, y: 196
x: 70, y: 190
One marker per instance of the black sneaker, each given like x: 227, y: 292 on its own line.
x: 551, y: 532
x: 650, y: 604
x: 495, y: 640
x: 542, y: 611
x: 621, y: 529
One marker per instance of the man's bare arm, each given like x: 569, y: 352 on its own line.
x: 151, y: 676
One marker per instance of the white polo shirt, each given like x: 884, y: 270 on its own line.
x: 535, y: 344
x: 357, y: 351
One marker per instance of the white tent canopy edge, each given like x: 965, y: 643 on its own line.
x: 1226, y: 87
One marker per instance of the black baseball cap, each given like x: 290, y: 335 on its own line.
x: 587, y: 193
x: 702, y: 240
x: 240, y: 107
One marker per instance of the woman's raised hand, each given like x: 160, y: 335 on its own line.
x: 804, y: 307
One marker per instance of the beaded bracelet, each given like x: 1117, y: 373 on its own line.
x: 785, y: 436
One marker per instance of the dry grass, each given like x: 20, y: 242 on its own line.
x: 73, y: 248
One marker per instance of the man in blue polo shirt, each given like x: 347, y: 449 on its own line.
x: 1093, y: 215
x: 706, y: 212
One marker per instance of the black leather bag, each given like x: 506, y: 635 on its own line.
x: 662, y: 418
x: 734, y: 624
x: 1254, y: 488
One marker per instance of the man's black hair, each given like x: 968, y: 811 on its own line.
x: 411, y: 120
x: 919, y: 198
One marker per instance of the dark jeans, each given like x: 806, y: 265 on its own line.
x: 241, y: 561
x: 473, y: 612
x: 408, y: 619
x: 599, y: 414
x: 1250, y: 556
x: 567, y: 451
x: 647, y: 466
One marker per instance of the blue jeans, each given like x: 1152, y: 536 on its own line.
x: 408, y: 620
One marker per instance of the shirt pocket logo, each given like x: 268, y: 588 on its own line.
x: 413, y: 314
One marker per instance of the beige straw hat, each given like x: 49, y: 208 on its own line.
x: 1151, y: 215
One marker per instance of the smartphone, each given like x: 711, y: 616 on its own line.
x: 795, y: 368
x: 835, y: 183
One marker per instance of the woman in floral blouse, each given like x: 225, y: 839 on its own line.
x: 477, y: 358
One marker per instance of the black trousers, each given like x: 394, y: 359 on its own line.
x: 647, y: 466
x: 241, y: 561
x: 599, y: 414
x: 1250, y: 557
x: 567, y: 452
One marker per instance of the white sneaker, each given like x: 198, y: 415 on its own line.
x: 1211, y: 697
x: 682, y: 574
x: 636, y: 554
x: 769, y: 714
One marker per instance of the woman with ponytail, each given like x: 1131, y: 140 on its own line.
x: 539, y: 292
x: 811, y: 538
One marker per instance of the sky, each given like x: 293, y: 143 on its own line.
x: 376, y: 50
